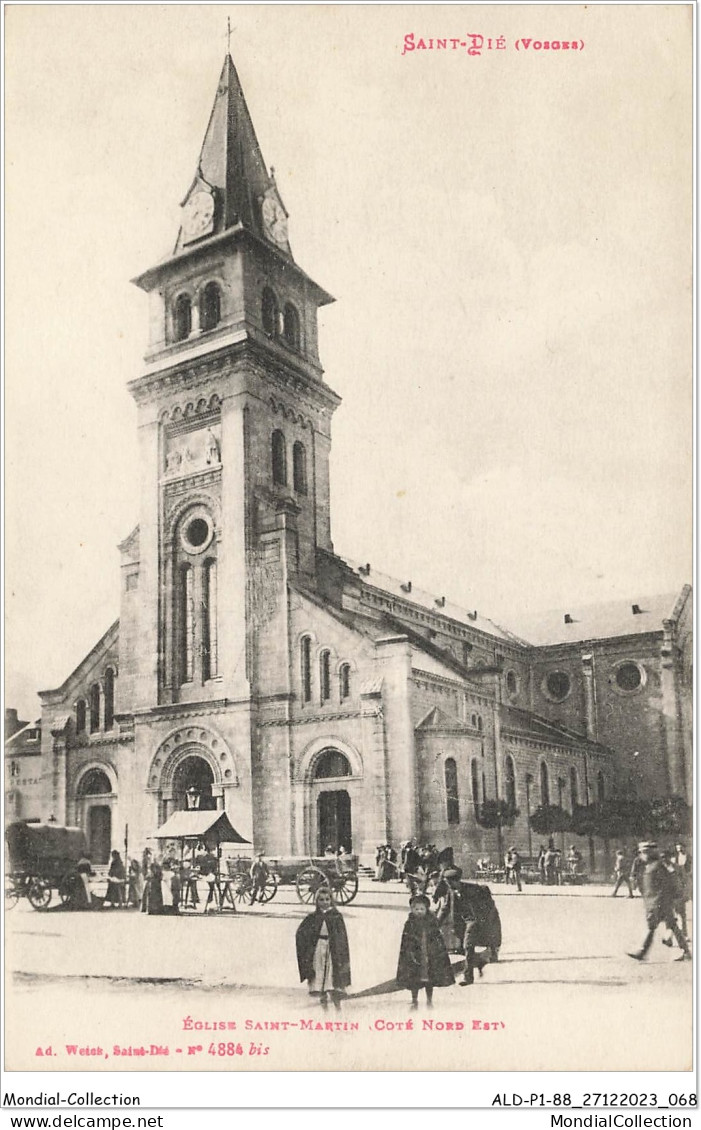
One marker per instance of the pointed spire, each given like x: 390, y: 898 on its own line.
x: 232, y: 169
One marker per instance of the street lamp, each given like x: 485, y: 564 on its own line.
x: 192, y: 798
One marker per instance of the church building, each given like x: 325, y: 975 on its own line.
x: 314, y: 699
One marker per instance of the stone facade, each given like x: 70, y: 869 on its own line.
x: 314, y: 700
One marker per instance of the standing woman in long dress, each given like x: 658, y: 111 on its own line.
x: 322, y: 951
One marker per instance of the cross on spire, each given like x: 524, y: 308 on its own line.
x: 228, y: 35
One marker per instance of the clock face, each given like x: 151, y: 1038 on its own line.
x: 274, y: 220
x: 198, y: 215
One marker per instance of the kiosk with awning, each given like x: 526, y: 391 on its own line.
x: 211, y: 828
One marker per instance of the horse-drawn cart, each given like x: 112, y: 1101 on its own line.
x: 339, y: 873
x: 43, y: 858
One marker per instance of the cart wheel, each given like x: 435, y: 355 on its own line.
x: 243, y: 891
x: 308, y: 883
x: 345, y: 888
x: 270, y: 889
x: 39, y: 894
x: 11, y: 894
x: 68, y: 887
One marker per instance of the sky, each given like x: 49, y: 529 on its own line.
x: 507, y: 235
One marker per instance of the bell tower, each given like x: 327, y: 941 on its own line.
x: 234, y: 423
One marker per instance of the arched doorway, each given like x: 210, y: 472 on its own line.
x: 334, y: 825
x: 192, y: 785
x: 95, y: 796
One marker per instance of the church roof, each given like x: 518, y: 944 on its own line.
x: 607, y: 620
x: 515, y: 720
x: 439, y: 605
x: 231, y: 161
x: 231, y: 172
x: 87, y: 663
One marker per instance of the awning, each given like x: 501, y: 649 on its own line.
x: 210, y: 826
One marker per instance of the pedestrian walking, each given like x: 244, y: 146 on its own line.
x: 574, y: 863
x: 512, y: 872
x: 260, y: 873
x: 424, y: 962
x: 189, y: 895
x: 621, y: 874
x: 153, y: 893
x: 468, y: 918
x: 116, y: 881
x: 636, y: 872
x: 658, y: 891
x: 541, y: 863
x: 323, y: 957
x: 135, y: 888
x: 550, y: 866
x: 170, y: 889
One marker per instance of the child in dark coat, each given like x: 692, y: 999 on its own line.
x: 423, y: 957
x: 322, y: 951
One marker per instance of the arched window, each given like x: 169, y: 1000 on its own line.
x: 109, y: 698
x: 511, y: 682
x: 279, y: 459
x: 209, y: 620
x: 306, y: 663
x: 344, y: 681
x: 299, y: 468
x: 210, y: 307
x: 600, y: 787
x: 510, y: 782
x: 332, y: 763
x: 325, y: 676
x: 94, y: 707
x: 269, y: 312
x: 194, y: 637
x: 186, y: 623
x: 452, y: 798
x: 474, y: 781
x: 574, y: 790
x: 94, y: 783
x: 290, y: 326
x: 479, y: 723
x: 80, y: 716
x: 182, y: 318
x: 544, y: 784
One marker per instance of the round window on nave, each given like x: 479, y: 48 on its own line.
x: 557, y: 685
x: 629, y: 677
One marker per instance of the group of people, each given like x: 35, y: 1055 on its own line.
x: 550, y: 864
x: 460, y: 917
x: 149, y: 884
x: 412, y: 864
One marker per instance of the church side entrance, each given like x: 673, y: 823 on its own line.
x: 332, y: 788
x: 99, y: 833
x: 94, y: 802
x: 334, y: 821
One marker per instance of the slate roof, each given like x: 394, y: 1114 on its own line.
x: 437, y: 604
x: 599, y: 621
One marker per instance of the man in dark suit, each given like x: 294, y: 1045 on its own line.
x: 659, y: 893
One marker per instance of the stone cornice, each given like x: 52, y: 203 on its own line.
x: 316, y: 718
x: 429, y: 681
x: 178, y: 710
x: 542, y: 743
x: 103, y: 739
x: 301, y: 377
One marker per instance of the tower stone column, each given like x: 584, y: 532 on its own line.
x: 394, y: 666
